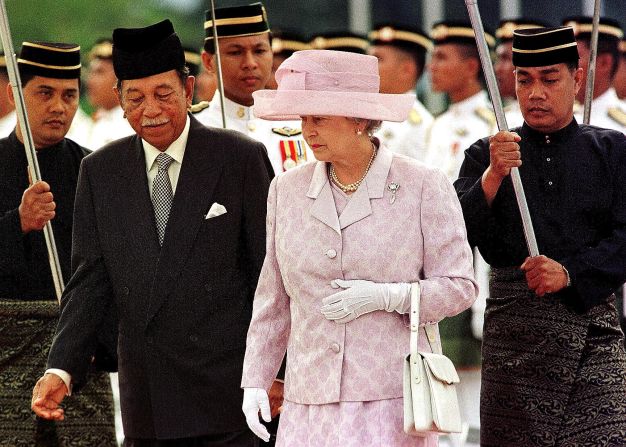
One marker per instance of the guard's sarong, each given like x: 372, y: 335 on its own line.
x: 26, y: 332
x: 550, y: 376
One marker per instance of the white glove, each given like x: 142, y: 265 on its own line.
x: 359, y: 297
x: 255, y: 400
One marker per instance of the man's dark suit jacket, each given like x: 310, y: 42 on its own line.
x: 184, y: 309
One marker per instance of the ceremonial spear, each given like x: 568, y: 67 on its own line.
x: 591, y: 65
x: 492, y: 85
x: 29, y: 146
x: 218, y: 62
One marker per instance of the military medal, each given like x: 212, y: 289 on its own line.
x: 292, y: 153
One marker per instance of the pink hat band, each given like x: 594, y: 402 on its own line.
x: 325, y: 82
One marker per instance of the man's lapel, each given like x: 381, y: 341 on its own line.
x: 199, y: 174
x: 139, y: 213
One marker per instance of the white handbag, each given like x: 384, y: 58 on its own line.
x: 430, y: 400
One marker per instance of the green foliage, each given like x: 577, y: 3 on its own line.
x: 85, y: 21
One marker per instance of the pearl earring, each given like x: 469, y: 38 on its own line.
x: 359, y: 132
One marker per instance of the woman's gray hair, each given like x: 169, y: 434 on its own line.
x: 372, y: 125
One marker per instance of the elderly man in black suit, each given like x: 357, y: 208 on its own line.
x: 170, y: 226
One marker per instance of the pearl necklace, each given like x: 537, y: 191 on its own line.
x: 351, y: 187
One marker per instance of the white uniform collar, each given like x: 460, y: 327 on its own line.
x: 469, y: 104
x: 233, y: 110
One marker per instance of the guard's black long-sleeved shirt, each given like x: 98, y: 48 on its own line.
x: 575, y: 185
x: 24, y: 266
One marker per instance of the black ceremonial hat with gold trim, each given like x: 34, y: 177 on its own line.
x: 142, y: 52
x: 102, y: 49
x: 504, y: 32
x: 193, y: 60
x: 404, y: 37
x: 286, y: 42
x: 235, y: 21
x: 539, y: 47
x: 608, y: 29
x: 452, y: 31
x: 3, y: 62
x: 50, y: 60
x: 341, y: 41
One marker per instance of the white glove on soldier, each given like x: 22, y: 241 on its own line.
x: 359, y: 297
x: 255, y: 400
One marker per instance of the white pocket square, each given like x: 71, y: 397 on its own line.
x: 215, y: 210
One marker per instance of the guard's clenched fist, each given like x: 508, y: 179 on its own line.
x: 37, y: 207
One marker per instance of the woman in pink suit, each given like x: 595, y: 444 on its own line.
x: 346, y: 238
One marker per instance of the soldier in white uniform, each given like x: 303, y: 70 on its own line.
x: 504, y: 69
x: 246, y: 62
x: 107, y: 122
x: 401, y: 53
x: 607, y: 110
x: 455, y: 69
x: 7, y: 117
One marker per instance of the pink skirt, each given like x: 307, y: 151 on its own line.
x: 376, y: 423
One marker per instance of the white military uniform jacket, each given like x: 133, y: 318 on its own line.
x: 456, y: 129
x: 607, y: 111
x: 7, y: 124
x: 513, y: 114
x: 408, y: 137
x: 285, y: 145
x: 106, y: 126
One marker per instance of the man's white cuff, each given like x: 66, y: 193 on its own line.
x: 65, y: 377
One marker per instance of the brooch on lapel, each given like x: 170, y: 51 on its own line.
x: 393, y: 188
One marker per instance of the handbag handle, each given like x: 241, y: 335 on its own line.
x: 429, y: 329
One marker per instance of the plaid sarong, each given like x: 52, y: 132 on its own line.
x: 550, y: 376
x: 26, y: 332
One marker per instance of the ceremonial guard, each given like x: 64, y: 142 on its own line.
x: 401, y: 53
x: 455, y: 70
x: 607, y: 110
x: 503, y: 66
x: 246, y: 64
x: 29, y: 310
x: 553, y: 354
x: 107, y: 121
x: 7, y: 117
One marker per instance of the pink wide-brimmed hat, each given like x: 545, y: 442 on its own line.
x: 326, y: 82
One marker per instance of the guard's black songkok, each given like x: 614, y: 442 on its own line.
x: 142, y: 52
x: 235, y: 21
x: 451, y: 31
x: 50, y: 60
x: 539, y: 47
x: 400, y: 36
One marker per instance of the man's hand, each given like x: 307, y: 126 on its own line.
x: 37, y: 207
x: 504, y: 154
x: 48, y: 393
x: 276, y: 397
x: 544, y: 275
